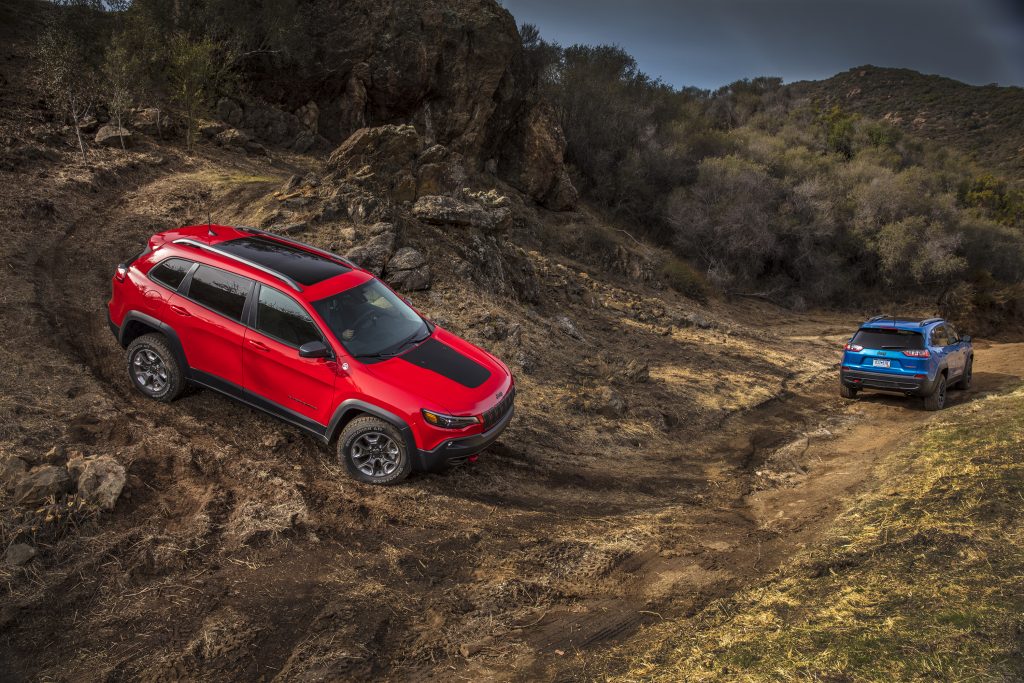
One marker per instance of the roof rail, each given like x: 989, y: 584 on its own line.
x: 929, y: 321
x: 881, y: 317
x: 269, y: 271
x: 308, y: 247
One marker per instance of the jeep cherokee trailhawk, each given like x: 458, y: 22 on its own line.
x: 310, y: 337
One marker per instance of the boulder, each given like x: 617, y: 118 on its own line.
x: 211, y: 129
x: 151, y: 121
x: 635, y: 371
x: 439, y: 177
x: 111, y: 135
x: 304, y: 142
x: 19, y: 554
x: 88, y: 125
x: 40, y: 483
x: 406, y: 258
x: 533, y: 160
x: 568, y: 326
x: 408, y: 270
x: 232, y: 137
x: 12, y: 468
x: 308, y: 115
x: 444, y: 210
x: 385, y: 148
x: 610, y: 403
x: 100, y: 480
x: 229, y: 111
x: 374, y: 254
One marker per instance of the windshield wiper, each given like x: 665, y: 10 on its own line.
x: 401, y: 347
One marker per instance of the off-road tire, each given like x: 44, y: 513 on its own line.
x: 937, y: 399
x: 150, y: 356
x: 847, y: 392
x: 390, y: 464
x: 964, y: 383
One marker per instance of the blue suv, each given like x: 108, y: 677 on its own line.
x: 912, y: 357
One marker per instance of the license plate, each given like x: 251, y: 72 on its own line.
x: 879, y: 363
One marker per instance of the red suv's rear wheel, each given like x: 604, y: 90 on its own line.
x: 153, y: 369
x: 374, y: 451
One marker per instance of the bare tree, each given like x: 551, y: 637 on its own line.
x: 119, y: 73
x: 194, y: 71
x: 67, y: 77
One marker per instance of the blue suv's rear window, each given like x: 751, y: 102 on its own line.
x: 873, y: 338
x: 302, y: 266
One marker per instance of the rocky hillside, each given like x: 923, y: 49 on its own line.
x: 451, y: 69
x: 985, y: 123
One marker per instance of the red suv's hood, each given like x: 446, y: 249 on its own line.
x: 445, y: 384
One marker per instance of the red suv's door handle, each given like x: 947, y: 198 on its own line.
x: 179, y: 310
x: 259, y: 346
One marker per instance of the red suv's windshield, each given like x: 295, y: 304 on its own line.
x: 370, y: 321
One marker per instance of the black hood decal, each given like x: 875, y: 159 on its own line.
x: 444, y: 360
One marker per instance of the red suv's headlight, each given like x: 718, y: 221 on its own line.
x: 448, y: 421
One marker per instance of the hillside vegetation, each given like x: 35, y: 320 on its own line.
x: 918, y: 580
x: 807, y: 194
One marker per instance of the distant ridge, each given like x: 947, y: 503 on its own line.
x: 986, y: 123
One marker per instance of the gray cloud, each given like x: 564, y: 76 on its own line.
x: 709, y: 43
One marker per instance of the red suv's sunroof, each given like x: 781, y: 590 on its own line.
x: 300, y: 265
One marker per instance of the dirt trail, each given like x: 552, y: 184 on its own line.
x: 242, y: 550
x: 801, y: 457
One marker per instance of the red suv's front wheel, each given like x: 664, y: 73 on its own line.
x: 374, y: 451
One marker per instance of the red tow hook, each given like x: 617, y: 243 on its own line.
x: 472, y: 458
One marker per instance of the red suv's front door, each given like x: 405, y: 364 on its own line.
x: 207, y: 320
x: 273, y: 367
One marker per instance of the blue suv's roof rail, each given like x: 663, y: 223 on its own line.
x: 929, y: 321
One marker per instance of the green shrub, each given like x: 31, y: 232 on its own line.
x: 685, y: 279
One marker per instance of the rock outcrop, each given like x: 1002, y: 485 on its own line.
x: 453, y: 69
x: 444, y: 210
x: 385, y: 148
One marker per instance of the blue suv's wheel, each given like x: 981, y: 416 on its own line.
x: 847, y: 392
x: 965, y: 382
x: 937, y: 400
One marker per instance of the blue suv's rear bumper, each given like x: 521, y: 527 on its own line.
x: 903, y: 383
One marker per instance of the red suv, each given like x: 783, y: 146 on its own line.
x: 310, y: 337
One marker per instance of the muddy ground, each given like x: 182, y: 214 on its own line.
x: 241, y: 551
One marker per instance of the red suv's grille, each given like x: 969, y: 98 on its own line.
x: 494, y: 415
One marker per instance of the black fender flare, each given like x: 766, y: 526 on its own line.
x: 163, y: 328
x: 354, y: 405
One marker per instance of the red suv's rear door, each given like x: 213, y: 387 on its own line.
x: 273, y: 368
x: 207, y: 318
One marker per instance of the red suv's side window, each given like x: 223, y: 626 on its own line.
x: 220, y: 291
x: 170, y: 272
x: 280, y: 317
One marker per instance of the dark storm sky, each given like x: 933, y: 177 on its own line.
x: 709, y: 43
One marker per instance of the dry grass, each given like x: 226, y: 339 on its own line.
x: 919, y: 580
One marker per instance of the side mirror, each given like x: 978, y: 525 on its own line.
x: 966, y: 339
x: 314, y: 349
